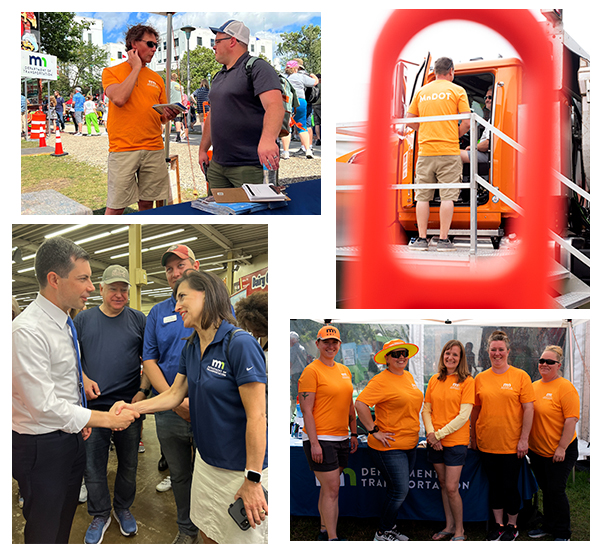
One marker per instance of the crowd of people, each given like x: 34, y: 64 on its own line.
x: 83, y: 379
x: 499, y: 413
x: 241, y: 116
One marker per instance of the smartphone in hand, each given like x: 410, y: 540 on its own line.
x: 238, y: 512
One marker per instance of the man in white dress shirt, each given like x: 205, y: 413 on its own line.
x: 49, y: 421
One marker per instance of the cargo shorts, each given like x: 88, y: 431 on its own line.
x: 136, y: 176
x: 438, y: 169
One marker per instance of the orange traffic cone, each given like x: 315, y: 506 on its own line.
x: 43, y: 137
x: 58, y: 149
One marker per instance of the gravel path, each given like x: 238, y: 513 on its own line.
x: 94, y: 150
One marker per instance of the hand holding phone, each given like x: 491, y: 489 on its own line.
x: 237, y: 511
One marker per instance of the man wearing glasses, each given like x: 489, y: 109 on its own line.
x: 137, y: 170
x: 111, y: 339
x: 246, y: 112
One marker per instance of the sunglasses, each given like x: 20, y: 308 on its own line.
x: 488, y: 97
x: 150, y: 44
x: 397, y: 353
x: 549, y: 362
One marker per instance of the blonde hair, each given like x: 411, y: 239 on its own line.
x: 499, y: 335
x: 557, y: 350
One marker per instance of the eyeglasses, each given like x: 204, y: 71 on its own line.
x: 221, y: 39
x: 488, y: 97
x: 549, y: 362
x: 397, y: 353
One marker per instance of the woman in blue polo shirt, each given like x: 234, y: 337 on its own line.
x: 222, y: 370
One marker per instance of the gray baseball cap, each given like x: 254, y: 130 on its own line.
x: 234, y: 28
x: 115, y: 273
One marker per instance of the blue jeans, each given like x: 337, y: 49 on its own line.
x: 177, y: 443
x: 395, y: 466
x: 97, y: 447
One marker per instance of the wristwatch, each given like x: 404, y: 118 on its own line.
x: 375, y: 429
x: 145, y: 392
x: 253, y: 476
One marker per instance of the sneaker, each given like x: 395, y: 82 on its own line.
x: 561, y: 539
x: 164, y: 485
x: 96, y: 530
x: 322, y: 535
x: 390, y: 535
x: 126, y: 522
x: 419, y: 244
x: 510, y: 532
x: 445, y: 244
x: 496, y: 532
x: 309, y: 154
x: 83, y: 492
x: 141, y: 448
x: 537, y: 533
x: 285, y: 155
x: 181, y: 538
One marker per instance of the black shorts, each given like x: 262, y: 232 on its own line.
x: 450, y: 456
x: 335, y: 455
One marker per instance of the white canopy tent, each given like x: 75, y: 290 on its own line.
x: 576, y: 363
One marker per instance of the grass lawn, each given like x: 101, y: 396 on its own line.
x: 77, y: 180
x: 363, y: 529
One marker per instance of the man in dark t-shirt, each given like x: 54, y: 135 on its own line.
x: 245, y: 116
x: 111, y: 339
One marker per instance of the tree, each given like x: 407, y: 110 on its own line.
x: 202, y: 65
x: 85, y: 69
x: 305, y: 44
x: 60, y: 34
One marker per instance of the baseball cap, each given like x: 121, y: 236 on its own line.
x: 234, y: 28
x: 179, y: 250
x: 328, y: 331
x: 115, y: 273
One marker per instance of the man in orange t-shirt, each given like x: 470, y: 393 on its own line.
x: 439, y: 152
x: 137, y: 170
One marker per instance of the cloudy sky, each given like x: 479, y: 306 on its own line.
x: 262, y: 24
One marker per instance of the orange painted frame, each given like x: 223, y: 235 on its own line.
x: 377, y: 280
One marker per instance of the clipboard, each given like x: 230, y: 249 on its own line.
x: 235, y: 194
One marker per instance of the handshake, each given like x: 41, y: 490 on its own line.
x: 121, y: 415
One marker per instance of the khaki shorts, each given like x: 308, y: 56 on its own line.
x: 438, y: 169
x: 212, y: 492
x: 136, y: 176
x: 220, y: 176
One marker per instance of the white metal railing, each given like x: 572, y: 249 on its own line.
x: 476, y: 179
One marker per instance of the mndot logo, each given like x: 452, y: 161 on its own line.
x: 38, y: 65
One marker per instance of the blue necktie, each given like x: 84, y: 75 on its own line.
x: 76, y: 345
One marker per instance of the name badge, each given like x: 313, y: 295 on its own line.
x: 170, y: 319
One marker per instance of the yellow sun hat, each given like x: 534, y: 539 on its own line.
x: 391, y: 346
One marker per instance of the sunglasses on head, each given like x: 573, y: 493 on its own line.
x: 397, y: 353
x: 549, y: 362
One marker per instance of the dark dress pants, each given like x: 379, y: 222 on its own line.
x: 49, y: 469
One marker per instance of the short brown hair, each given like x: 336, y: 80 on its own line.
x: 136, y: 33
x: 443, y: 65
x: 252, y: 313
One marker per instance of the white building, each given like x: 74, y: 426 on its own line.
x: 200, y: 37
x: 94, y: 34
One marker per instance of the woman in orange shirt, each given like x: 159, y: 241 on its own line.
x: 500, y: 425
x: 325, y: 394
x: 448, y: 403
x: 394, y: 432
x: 553, y: 442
